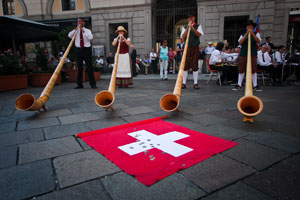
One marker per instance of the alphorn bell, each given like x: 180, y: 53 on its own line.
x: 106, y: 98
x: 27, y: 102
x: 170, y: 102
x: 249, y: 105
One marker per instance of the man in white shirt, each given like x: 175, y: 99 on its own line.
x: 83, y: 52
x: 210, y: 48
x: 153, y: 57
x: 265, y: 63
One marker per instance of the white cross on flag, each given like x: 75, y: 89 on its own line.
x: 154, y: 149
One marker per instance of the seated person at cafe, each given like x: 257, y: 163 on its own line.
x: 146, y: 63
x: 265, y: 63
x: 217, y: 63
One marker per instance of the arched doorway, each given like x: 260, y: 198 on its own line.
x: 169, y: 16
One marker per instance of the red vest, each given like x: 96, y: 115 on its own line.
x: 124, y: 48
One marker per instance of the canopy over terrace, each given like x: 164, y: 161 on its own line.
x: 18, y: 30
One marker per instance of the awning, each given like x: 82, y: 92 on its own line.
x: 22, y: 30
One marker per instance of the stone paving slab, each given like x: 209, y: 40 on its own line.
x: 89, y: 109
x: 92, y: 190
x: 239, y: 191
x: 80, y: 167
x: 54, y: 113
x: 38, y: 123
x: 28, y: 180
x: 21, y: 137
x: 24, y: 116
x: 256, y: 155
x: 217, y: 172
x: 276, y: 140
x: 48, y: 149
x: 6, y: 111
x: 8, y: 156
x: 293, y: 161
x: 135, y: 118
x: 222, y: 131
x: 5, y: 119
x: 176, y: 187
x: 281, y: 182
x: 138, y: 110
x: 104, y: 123
x: 111, y: 114
x: 65, y: 130
x: 205, y: 119
x: 257, y: 126
x: 84, y: 145
x: 7, y: 127
x: 83, y: 117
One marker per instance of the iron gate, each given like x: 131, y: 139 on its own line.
x: 166, y: 14
x: 234, y: 27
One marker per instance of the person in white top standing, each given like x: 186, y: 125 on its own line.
x: 83, y: 52
x: 153, y: 57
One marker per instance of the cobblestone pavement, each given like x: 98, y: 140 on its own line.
x: 40, y: 158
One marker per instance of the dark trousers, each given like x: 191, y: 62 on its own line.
x: 133, y: 66
x: 85, y: 54
x: 271, y: 69
x: 228, y: 72
x: 154, y: 66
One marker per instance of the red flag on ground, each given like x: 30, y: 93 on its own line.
x: 154, y: 149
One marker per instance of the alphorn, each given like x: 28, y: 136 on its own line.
x: 249, y: 105
x: 27, y: 102
x: 106, y: 98
x: 170, y: 102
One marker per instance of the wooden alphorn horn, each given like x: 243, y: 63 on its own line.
x: 170, y: 102
x: 27, y: 102
x: 249, y: 105
x: 106, y: 98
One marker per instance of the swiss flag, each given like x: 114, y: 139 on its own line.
x: 154, y: 149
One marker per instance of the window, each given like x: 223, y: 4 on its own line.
x: 234, y: 27
x: 68, y: 5
x: 8, y: 7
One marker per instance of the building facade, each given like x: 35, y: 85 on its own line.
x: 150, y: 21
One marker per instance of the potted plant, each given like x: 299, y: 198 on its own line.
x: 43, y: 72
x: 96, y: 69
x: 12, y: 73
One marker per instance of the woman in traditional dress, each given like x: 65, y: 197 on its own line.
x: 124, y: 74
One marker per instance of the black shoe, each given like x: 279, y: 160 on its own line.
x: 196, y: 86
x: 257, y: 89
x: 183, y: 86
x: 94, y: 87
x: 78, y: 87
x: 237, y: 88
x: 166, y: 79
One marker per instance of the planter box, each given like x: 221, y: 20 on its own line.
x: 97, y: 76
x: 13, y: 82
x: 73, y: 76
x: 41, y: 80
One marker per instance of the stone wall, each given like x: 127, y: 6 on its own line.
x: 212, y: 14
x: 139, y: 26
x: 274, y: 16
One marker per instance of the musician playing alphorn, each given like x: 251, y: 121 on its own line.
x: 124, y: 74
x: 193, y: 49
x: 242, y: 60
x: 83, y: 52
